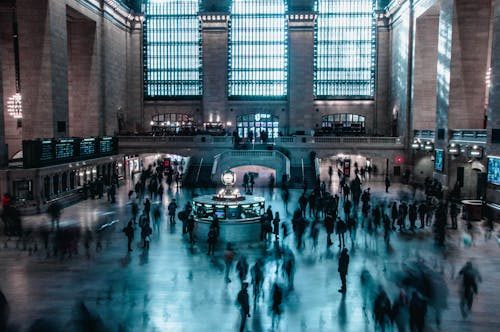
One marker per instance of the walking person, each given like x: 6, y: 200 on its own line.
x: 190, y: 225
x: 412, y: 215
x: 277, y: 299
x: 341, y: 229
x: 303, y: 204
x: 243, y: 301
x: 129, y: 232
x: 470, y: 278
x: 454, y: 215
x: 394, y: 215
x: 242, y: 268
x: 257, y: 272
x: 172, y: 208
x: 418, y: 310
x: 228, y: 260
x: 422, y: 210
x: 212, y: 241
x: 387, y: 183
x: 276, y: 225
x: 342, y: 269
x: 329, y: 223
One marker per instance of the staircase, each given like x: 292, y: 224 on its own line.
x: 204, y: 178
x: 296, y: 177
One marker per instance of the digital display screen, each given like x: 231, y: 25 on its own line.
x: 87, y: 147
x: 106, y: 145
x: 220, y: 214
x: 494, y: 170
x: 40, y: 153
x: 64, y: 149
x: 438, y: 162
x: 47, y: 153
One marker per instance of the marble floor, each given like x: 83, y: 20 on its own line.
x: 176, y: 287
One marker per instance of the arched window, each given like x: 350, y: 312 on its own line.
x: 172, y: 48
x: 256, y: 123
x: 257, y: 48
x: 172, y: 124
x: 343, y: 124
x: 345, y: 49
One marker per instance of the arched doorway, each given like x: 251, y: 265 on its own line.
x: 257, y: 122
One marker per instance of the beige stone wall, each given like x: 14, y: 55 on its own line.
x: 424, y: 72
x: 79, y: 67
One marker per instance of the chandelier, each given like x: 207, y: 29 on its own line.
x: 15, y: 106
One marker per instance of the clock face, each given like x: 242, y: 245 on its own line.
x: 228, y: 178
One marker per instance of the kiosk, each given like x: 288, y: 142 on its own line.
x: 239, y: 216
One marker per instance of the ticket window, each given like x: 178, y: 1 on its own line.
x: 23, y: 190
x: 233, y: 212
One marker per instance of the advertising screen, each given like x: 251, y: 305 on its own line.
x: 438, y: 162
x: 494, y: 170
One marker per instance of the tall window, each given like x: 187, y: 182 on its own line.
x: 172, y: 48
x: 345, y: 48
x: 257, y: 48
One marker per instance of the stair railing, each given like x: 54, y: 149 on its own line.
x: 199, y: 169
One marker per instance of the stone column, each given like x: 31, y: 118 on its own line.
x: 3, y: 147
x: 11, y: 132
x: 83, y: 76
x: 462, y: 64
x: 215, y: 65
x: 382, y: 118
x: 301, y: 71
x: 43, y: 67
x: 493, y: 146
x: 51, y: 186
x: 59, y: 182
x: 133, y: 116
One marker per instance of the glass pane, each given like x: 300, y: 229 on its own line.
x: 172, y: 52
x: 345, y: 49
x: 258, y: 48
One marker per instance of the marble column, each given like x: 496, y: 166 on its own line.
x: 43, y: 67
x: 493, y: 146
x: 215, y: 66
x: 301, y: 71
x: 464, y: 28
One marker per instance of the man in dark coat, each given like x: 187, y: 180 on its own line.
x: 243, y: 301
x: 343, y: 266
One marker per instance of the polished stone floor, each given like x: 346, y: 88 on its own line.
x: 177, y: 287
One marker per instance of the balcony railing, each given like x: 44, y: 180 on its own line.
x: 318, y: 142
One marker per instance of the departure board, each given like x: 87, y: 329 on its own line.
x: 106, y: 145
x: 88, y: 146
x: 40, y: 153
x: 64, y: 149
x: 47, y: 151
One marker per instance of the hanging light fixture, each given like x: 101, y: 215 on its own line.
x: 15, y: 106
x: 15, y: 102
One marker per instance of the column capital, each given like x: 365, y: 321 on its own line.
x: 214, y: 20
x: 301, y: 20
